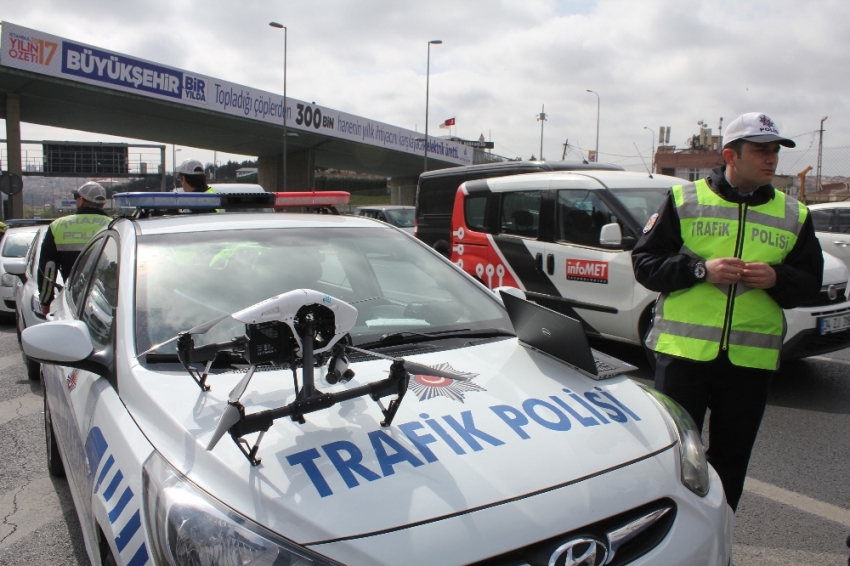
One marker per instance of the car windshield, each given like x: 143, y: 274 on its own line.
x: 642, y: 203
x: 402, y: 217
x: 185, y: 279
x: 17, y: 244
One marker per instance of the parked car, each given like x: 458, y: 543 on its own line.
x: 396, y: 215
x: 13, y: 248
x: 183, y: 444
x: 27, y: 304
x: 564, y: 238
x: 832, y: 227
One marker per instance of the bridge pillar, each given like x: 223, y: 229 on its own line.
x: 13, y: 146
x: 300, y: 171
x: 403, y: 190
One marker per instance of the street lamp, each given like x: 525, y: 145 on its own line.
x: 597, y: 124
x: 652, y: 149
x: 541, y: 118
x: 174, y: 164
x: 819, y: 187
x: 427, y: 85
x: 283, y: 27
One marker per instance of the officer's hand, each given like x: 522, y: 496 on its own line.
x: 726, y: 270
x: 45, y: 310
x: 759, y: 276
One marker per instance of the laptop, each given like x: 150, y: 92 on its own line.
x: 561, y: 337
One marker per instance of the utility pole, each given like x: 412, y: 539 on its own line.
x: 818, y: 185
x: 566, y: 145
x: 541, y: 118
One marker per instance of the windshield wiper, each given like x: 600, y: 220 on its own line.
x: 409, y: 336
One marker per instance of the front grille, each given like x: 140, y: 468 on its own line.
x: 627, y: 536
x: 823, y: 299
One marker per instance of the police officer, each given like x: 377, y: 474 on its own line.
x: 67, y: 236
x: 191, y: 177
x: 727, y: 253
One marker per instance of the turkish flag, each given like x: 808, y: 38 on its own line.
x: 449, y: 122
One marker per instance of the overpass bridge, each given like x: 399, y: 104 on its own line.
x: 53, y: 81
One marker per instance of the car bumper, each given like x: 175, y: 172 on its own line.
x: 7, y: 300
x: 803, y: 337
x: 701, y: 533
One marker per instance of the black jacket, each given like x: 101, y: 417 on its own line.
x: 659, y: 265
x: 63, y: 261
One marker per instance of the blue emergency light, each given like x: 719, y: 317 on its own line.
x: 168, y: 201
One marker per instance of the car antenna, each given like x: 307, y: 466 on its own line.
x: 644, y: 162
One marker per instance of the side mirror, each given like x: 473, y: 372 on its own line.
x: 518, y: 293
x: 16, y: 267
x: 65, y: 343
x: 611, y: 235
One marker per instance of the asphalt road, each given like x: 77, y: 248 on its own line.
x: 795, y: 509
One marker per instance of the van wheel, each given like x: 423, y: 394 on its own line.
x: 54, y: 460
x: 442, y: 246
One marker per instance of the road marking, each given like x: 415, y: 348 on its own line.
x: 26, y: 509
x: 798, y: 501
x: 764, y: 556
x: 20, y: 407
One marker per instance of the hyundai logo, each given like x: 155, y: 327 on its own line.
x: 546, y: 332
x: 832, y: 292
x: 580, y: 552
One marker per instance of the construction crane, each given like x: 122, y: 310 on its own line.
x: 802, y: 177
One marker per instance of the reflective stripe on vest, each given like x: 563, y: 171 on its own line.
x: 72, y: 233
x: 695, y: 323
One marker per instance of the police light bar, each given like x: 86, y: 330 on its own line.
x: 167, y: 200
x: 322, y: 198
x: 194, y: 201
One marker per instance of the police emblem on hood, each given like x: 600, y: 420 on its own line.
x: 428, y: 386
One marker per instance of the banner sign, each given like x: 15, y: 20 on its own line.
x: 477, y: 144
x: 38, y: 52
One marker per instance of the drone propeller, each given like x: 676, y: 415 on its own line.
x: 232, y: 413
x: 202, y: 328
x: 419, y: 369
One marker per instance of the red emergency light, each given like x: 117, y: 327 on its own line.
x: 321, y: 198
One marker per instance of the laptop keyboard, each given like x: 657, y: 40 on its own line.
x: 602, y: 366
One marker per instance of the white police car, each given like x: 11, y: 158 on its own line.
x: 564, y: 238
x: 200, y: 423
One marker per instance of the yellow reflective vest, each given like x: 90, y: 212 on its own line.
x: 697, y: 322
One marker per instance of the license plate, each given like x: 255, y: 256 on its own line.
x: 828, y: 324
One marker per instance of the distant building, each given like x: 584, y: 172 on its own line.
x: 693, y: 162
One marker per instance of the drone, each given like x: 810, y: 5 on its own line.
x: 298, y: 329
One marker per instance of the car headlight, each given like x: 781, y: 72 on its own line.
x: 691, y: 451
x: 187, y: 527
x: 8, y: 280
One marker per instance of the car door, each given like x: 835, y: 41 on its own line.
x: 596, y: 283
x: 832, y: 227
x: 90, y: 296
x: 519, y: 243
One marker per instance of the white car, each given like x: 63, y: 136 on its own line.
x: 27, y: 305
x: 400, y: 216
x: 565, y: 239
x: 832, y: 226
x: 13, y: 248
x: 179, y: 451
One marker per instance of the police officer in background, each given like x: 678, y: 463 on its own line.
x: 727, y: 253
x: 67, y: 236
x: 191, y: 177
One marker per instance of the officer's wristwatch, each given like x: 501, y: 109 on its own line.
x: 699, y: 270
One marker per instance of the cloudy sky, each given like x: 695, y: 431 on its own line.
x: 653, y: 63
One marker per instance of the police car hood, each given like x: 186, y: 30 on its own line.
x: 526, y: 423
